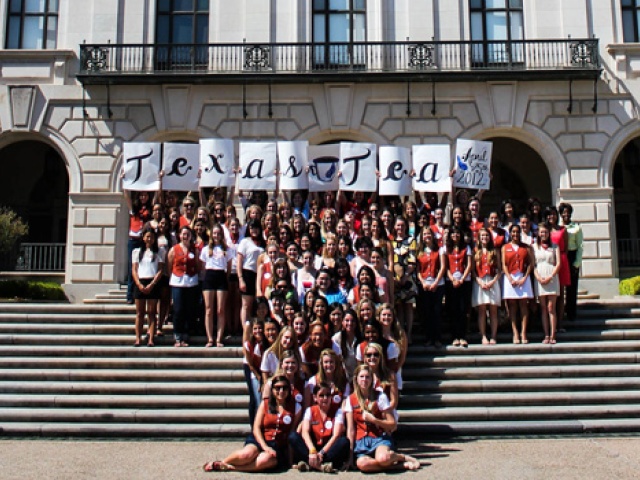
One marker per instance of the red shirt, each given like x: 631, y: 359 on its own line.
x: 184, y: 262
x: 516, y: 261
x: 277, y: 426
x: 429, y: 264
x: 364, y: 429
x: 321, y: 430
x: 484, y: 268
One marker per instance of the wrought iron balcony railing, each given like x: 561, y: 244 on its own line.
x: 363, y: 61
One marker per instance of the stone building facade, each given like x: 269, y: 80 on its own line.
x: 562, y: 135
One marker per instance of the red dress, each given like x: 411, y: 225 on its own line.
x: 559, y: 238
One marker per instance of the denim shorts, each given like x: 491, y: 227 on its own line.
x: 366, y: 446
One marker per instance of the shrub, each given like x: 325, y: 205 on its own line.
x: 12, y: 229
x: 629, y: 286
x: 31, y: 290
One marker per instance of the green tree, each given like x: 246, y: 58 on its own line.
x: 12, y: 229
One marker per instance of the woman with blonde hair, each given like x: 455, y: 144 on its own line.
x: 331, y: 372
x: 486, y: 287
x: 369, y: 417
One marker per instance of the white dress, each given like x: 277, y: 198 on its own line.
x: 545, y: 263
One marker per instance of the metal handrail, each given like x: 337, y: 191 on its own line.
x: 360, y: 57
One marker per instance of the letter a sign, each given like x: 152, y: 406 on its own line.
x: 431, y: 164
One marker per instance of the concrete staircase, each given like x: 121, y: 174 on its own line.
x: 71, y: 370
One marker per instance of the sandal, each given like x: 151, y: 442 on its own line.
x: 327, y: 468
x: 137, y: 344
x: 219, y: 344
x: 214, y: 466
x: 463, y: 343
x: 209, y: 345
x: 546, y: 340
x: 177, y: 344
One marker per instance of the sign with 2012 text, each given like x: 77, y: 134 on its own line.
x: 473, y: 164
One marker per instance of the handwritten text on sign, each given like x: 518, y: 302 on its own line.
x: 473, y: 164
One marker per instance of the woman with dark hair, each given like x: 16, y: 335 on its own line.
x: 346, y: 341
x: 321, y: 444
x: 459, y: 264
x: 267, y: 447
x: 345, y: 248
x: 380, y: 240
x: 547, y: 265
x: 574, y: 256
x: 183, y: 264
x: 313, y: 229
x: 215, y: 258
x: 249, y: 250
x: 517, y: 265
x: 139, y: 213
x: 254, y: 344
x: 534, y: 210
x: 148, y: 264
x: 560, y: 237
x: 431, y: 272
x: 508, y: 215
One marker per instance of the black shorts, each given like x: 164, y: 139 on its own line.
x: 249, y: 277
x: 154, y: 294
x: 281, y: 451
x: 215, y: 280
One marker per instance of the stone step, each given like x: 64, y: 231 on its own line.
x: 117, y: 375
x: 117, y: 351
x: 66, y: 318
x: 143, y: 363
x: 546, y: 385
x: 126, y: 430
x: 91, y: 340
x: 517, y: 413
x: 119, y: 295
x: 105, y: 301
x: 588, y: 296
x: 159, y: 402
x: 446, y: 400
x: 476, y: 349
x: 523, y: 358
x: 557, y: 371
x: 68, y: 308
x: 123, y: 415
x: 537, y: 427
x: 81, y: 388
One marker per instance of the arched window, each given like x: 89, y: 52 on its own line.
x: 337, y: 25
x: 182, y: 24
x: 498, y: 27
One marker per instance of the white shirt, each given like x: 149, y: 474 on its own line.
x: 250, y: 253
x: 217, y: 261
x: 148, y: 266
x: 383, y: 404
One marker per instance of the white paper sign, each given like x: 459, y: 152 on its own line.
x: 431, y: 164
x: 323, y: 167
x: 141, y: 165
x: 217, y: 163
x: 358, y: 167
x: 473, y: 164
x: 257, y: 166
x: 180, y: 163
x: 293, y: 162
x: 395, y: 169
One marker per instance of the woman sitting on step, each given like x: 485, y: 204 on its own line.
x: 266, y: 448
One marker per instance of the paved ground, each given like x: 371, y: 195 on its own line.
x: 535, y: 458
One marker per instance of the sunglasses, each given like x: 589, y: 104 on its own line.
x: 374, y: 355
x: 189, y: 205
x: 280, y: 388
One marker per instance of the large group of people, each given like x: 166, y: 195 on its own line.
x: 324, y: 289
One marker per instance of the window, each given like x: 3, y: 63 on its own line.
x: 630, y: 14
x: 499, y: 28
x: 337, y: 24
x: 182, y: 24
x: 32, y: 24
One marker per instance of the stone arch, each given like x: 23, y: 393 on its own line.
x: 540, y: 143
x: 36, y: 185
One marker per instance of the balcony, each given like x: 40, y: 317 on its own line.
x: 356, y: 62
